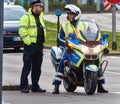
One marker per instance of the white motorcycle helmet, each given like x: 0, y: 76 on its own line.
x: 74, y: 9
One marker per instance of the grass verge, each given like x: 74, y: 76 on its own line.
x: 52, y: 35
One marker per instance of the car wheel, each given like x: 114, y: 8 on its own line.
x: 17, y: 49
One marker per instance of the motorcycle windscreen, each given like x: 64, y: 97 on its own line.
x: 75, y: 58
x: 92, y: 31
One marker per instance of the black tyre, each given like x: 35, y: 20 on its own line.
x: 16, y: 49
x: 90, y: 82
x: 69, y: 87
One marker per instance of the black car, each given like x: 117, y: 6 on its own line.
x: 12, y: 15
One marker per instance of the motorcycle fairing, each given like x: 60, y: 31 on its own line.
x: 93, y: 68
x: 104, y: 43
x: 74, y: 41
x: 56, y: 54
x: 75, y: 58
x: 100, y: 58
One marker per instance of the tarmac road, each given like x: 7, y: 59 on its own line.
x: 16, y: 97
x: 12, y: 65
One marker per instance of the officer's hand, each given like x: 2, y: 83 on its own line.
x: 29, y: 46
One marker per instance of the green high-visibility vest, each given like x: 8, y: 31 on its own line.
x: 28, y: 28
x: 68, y: 28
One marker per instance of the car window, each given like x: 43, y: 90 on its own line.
x: 5, y: 0
x: 13, y: 14
x: 8, y: 0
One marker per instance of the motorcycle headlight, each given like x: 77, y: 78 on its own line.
x: 84, y: 48
x: 89, y: 50
x: 97, y: 49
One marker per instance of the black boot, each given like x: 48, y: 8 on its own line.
x: 101, y: 88
x: 56, y: 89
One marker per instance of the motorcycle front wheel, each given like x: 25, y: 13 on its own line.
x: 69, y: 87
x: 90, y: 82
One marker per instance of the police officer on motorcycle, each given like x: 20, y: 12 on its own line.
x: 73, y: 25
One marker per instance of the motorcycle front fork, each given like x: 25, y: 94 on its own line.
x: 102, y: 68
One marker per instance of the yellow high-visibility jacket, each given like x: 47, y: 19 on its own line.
x: 69, y: 28
x: 81, y: 28
x: 28, y: 28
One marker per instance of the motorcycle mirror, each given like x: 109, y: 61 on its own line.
x: 73, y: 36
x: 104, y: 36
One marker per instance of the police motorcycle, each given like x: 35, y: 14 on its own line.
x: 84, y: 64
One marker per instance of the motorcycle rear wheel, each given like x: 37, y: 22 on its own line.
x: 90, y: 82
x: 69, y: 87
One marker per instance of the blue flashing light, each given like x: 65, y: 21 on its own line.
x: 58, y: 12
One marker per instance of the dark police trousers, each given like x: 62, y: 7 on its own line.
x: 32, y: 59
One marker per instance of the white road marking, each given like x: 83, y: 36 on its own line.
x: 113, y: 73
x: 4, y: 102
x: 116, y: 92
x: 112, y: 57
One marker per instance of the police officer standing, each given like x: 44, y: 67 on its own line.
x: 32, y: 32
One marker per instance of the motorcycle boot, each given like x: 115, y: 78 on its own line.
x: 56, y: 89
x: 101, y: 89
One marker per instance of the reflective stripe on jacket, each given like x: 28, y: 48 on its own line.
x: 69, y: 28
x: 28, y: 28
